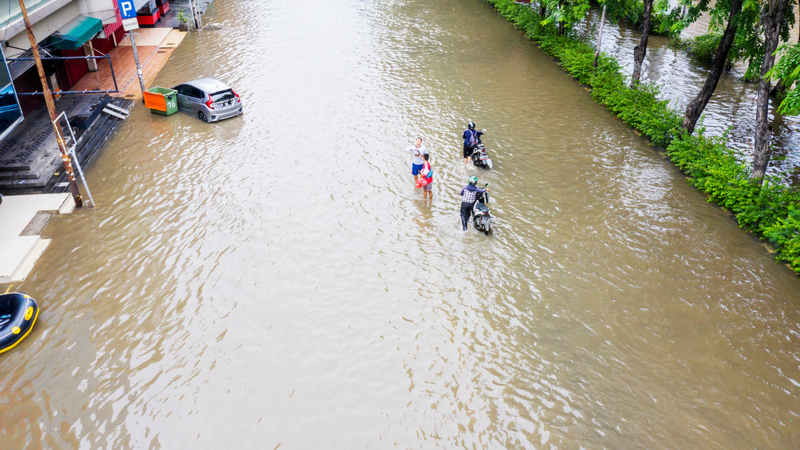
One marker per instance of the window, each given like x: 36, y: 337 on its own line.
x: 222, y: 96
x: 185, y: 89
x: 10, y: 112
x: 197, y: 93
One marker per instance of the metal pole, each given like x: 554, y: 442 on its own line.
x: 51, y: 108
x: 83, y: 178
x: 195, y: 15
x: 138, y: 66
x: 113, y: 77
x: 75, y: 155
x: 199, y: 15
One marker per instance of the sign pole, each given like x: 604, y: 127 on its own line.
x: 51, y: 108
x: 127, y: 11
x: 138, y: 66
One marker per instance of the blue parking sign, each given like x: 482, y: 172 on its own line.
x: 126, y: 9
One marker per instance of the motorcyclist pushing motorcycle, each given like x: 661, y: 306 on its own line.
x: 468, y: 198
x: 470, y: 141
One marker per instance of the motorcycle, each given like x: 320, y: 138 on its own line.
x: 480, y: 212
x: 479, y: 156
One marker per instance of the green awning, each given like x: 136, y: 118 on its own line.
x: 76, y: 33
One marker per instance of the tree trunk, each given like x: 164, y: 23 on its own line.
x: 542, y: 9
x: 600, y: 35
x: 560, y: 28
x: 641, y: 50
x: 778, y: 89
x: 772, y: 22
x: 696, y: 107
x: 781, y: 87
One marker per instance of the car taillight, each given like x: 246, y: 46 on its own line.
x: 210, y: 103
x: 237, y: 96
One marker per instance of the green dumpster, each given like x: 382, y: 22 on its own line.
x: 161, y: 100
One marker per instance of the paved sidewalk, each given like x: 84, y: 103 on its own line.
x: 155, y: 46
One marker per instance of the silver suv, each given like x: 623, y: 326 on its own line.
x: 208, y: 99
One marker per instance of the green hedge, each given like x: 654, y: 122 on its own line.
x: 771, y: 211
x: 703, y: 48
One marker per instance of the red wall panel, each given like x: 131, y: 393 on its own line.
x: 74, y: 68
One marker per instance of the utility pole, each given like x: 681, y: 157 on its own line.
x: 51, y: 108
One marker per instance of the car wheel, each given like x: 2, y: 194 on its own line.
x: 202, y: 116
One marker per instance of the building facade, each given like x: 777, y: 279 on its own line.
x: 63, y: 28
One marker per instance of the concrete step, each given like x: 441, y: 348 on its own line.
x: 9, y: 186
x: 38, y: 169
x: 17, y: 175
x: 14, y: 167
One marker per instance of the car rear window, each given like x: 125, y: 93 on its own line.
x: 222, y: 96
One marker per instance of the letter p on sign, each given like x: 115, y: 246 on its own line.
x: 126, y: 9
x: 128, y: 13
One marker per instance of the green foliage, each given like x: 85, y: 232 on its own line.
x: 771, y: 210
x: 788, y: 69
x: 617, y: 10
x: 565, y: 13
x: 785, y: 233
x: 182, y: 17
x: 703, y: 47
x: 639, y: 108
x: 664, y: 21
x: 748, y: 44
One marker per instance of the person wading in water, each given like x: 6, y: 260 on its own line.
x: 470, y: 141
x: 426, y: 182
x: 468, y: 198
x: 417, y: 150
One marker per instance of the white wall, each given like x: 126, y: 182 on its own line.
x: 43, y: 28
x: 51, y: 16
x: 35, y: 14
x: 101, y: 9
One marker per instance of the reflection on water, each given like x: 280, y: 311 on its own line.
x: 276, y: 279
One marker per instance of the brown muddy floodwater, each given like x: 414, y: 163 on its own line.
x: 275, y: 280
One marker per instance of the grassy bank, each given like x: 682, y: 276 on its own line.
x: 771, y: 211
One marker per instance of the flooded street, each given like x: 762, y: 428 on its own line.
x: 276, y: 281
